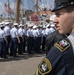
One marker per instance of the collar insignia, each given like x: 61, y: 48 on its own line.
x: 62, y: 45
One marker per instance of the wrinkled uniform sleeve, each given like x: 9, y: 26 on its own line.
x: 54, y: 62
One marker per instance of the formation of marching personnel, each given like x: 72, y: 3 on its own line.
x: 14, y: 38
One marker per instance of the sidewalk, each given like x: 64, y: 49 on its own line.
x: 21, y: 65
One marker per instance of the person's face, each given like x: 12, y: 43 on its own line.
x: 64, y: 21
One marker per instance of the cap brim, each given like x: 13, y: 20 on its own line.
x: 57, y: 8
x: 60, y: 7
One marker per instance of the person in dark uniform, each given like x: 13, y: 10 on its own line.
x: 60, y: 58
x: 52, y: 39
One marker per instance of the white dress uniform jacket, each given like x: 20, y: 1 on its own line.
x: 20, y: 32
x: 2, y: 34
x: 7, y: 30
x: 14, y: 32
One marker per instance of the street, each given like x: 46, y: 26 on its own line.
x: 22, y: 65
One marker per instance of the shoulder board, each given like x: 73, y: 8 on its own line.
x: 44, y: 67
x: 62, y: 45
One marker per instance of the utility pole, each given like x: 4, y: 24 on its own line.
x: 37, y: 6
x: 17, y: 10
x: 0, y: 18
x: 8, y: 13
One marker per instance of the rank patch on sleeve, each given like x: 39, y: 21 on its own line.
x: 62, y: 45
x: 44, y: 67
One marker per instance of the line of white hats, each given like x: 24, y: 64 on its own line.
x: 6, y: 23
x: 34, y: 27
x: 16, y: 24
x: 21, y: 25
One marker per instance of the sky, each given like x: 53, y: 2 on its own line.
x: 27, y: 4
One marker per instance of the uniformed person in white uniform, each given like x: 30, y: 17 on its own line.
x: 14, y: 40
x: 48, y: 31
x: 43, y: 37
x: 21, y: 37
x: 3, y: 42
x: 7, y: 33
x: 29, y: 39
x: 39, y: 39
x: 35, y: 35
x: 25, y: 38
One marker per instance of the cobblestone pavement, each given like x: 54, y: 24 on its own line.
x: 22, y: 65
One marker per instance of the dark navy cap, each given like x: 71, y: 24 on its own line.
x: 58, y: 4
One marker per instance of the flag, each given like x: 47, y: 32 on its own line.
x: 8, y: 10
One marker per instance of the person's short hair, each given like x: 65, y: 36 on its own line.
x: 69, y: 8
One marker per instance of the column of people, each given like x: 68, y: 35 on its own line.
x: 15, y: 38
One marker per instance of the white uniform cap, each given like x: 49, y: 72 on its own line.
x: 47, y: 25
x: 34, y: 27
x: 7, y: 23
x: 44, y: 26
x: 21, y: 25
x: 30, y: 25
x: 52, y: 17
x: 15, y: 24
x: 27, y: 23
x: 52, y: 25
x: 39, y: 25
x: 1, y: 23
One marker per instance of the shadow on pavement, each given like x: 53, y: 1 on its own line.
x: 20, y: 57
